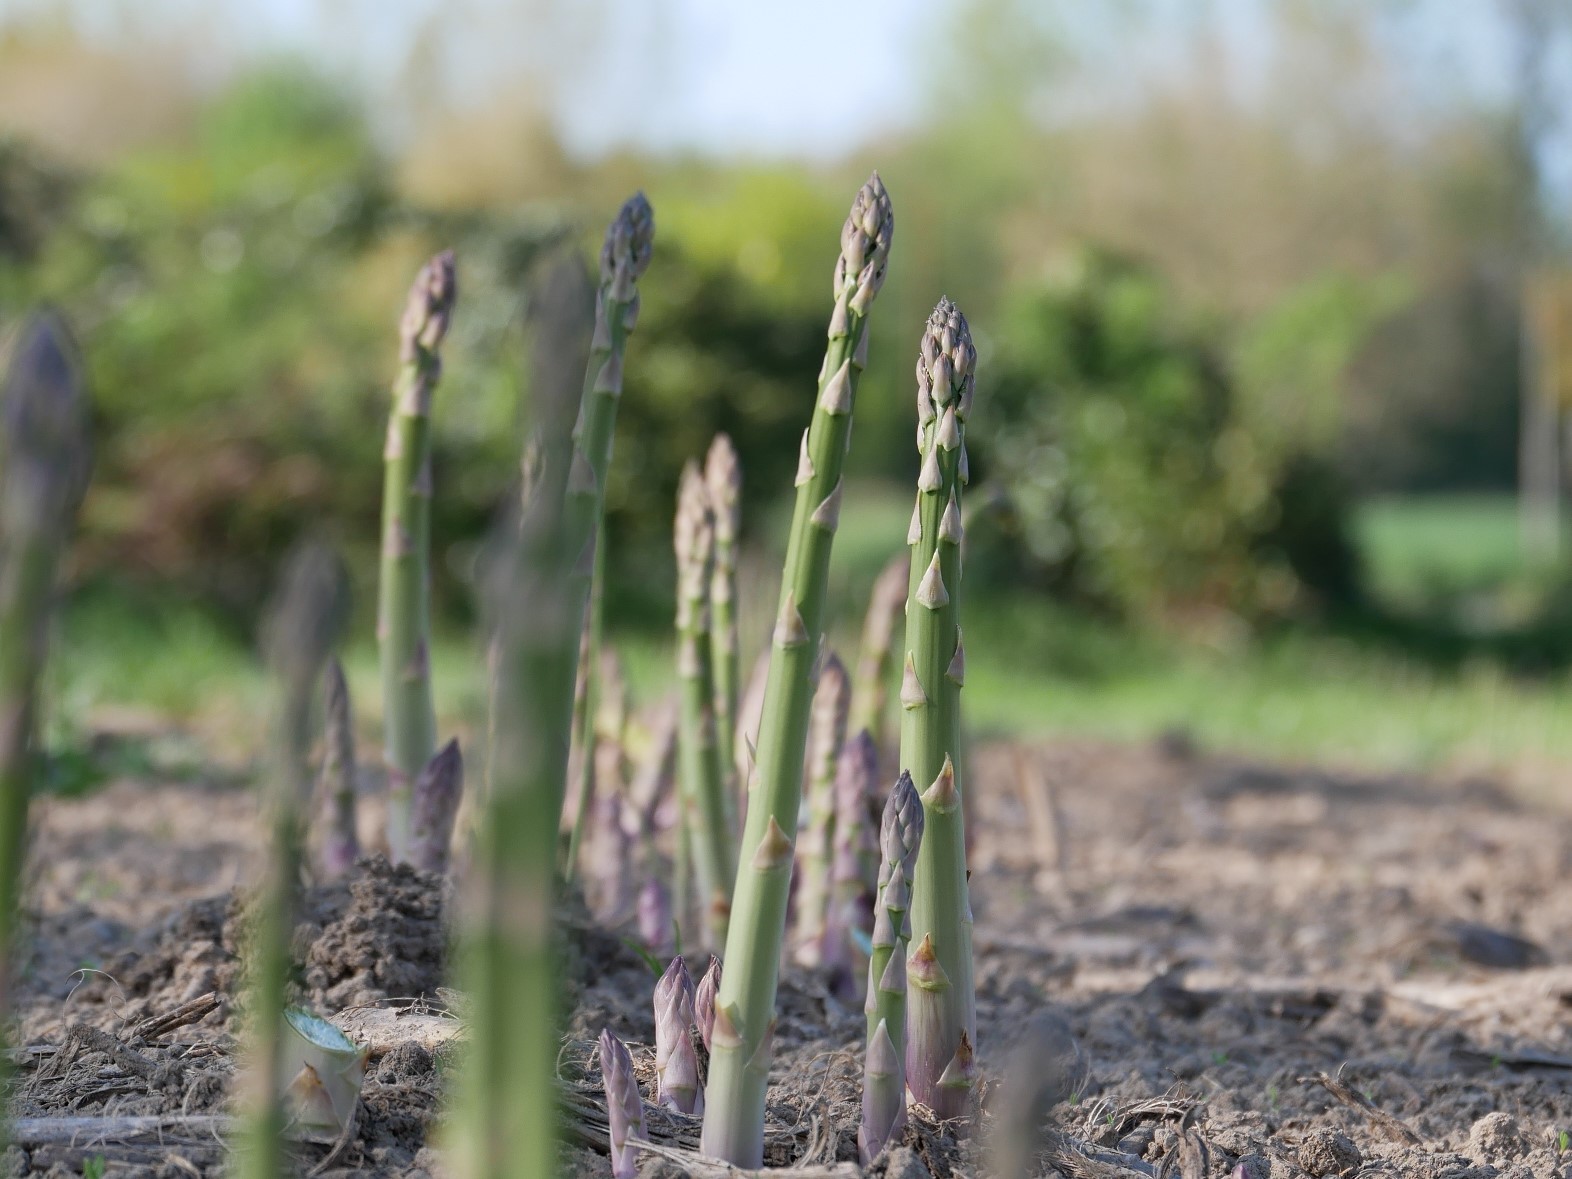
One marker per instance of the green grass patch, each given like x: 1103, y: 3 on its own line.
x: 1034, y: 667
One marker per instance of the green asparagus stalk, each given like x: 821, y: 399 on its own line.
x: 826, y: 735
x: 703, y: 780
x: 630, y: 240
x: 939, y: 1070
x: 723, y: 477
x: 871, y: 684
x: 745, y: 1008
x: 884, y: 1072
x: 301, y: 632
x: 403, y: 606
x: 340, y: 843
x: 503, y: 1121
x: 45, y: 456
x: 586, y: 711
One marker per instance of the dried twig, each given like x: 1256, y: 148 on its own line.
x: 1394, y: 1127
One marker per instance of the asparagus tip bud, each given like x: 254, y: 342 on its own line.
x: 704, y: 1001
x: 630, y: 242
x: 624, y: 1105
x: 429, y: 309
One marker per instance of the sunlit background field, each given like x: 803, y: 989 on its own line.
x: 1267, y: 294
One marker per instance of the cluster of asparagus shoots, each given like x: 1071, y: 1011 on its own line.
x: 681, y: 815
x: 681, y: 1011
x: 45, y: 457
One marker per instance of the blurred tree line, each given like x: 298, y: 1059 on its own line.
x: 1206, y: 324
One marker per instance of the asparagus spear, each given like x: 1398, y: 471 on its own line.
x: 723, y: 477
x: 403, y: 588
x: 648, y: 797
x: 871, y: 691
x: 676, y: 1063
x: 856, y: 845
x: 301, y: 632
x: 745, y: 1007
x: 608, y: 881
x: 503, y: 1120
x: 884, y: 1072
x: 436, y: 803
x: 340, y: 843
x: 45, y: 455
x: 630, y: 240
x: 703, y: 780
x: 939, y: 1069
x: 826, y: 734
x: 624, y: 1106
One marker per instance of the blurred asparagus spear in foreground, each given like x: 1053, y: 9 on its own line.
x: 503, y: 1119
x: 340, y: 843
x: 301, y: 631
x: 884, y: 1067
x: 403, y: 588
x: 943, y: 1024
x: 45, y: 457
x: 741, y: 1043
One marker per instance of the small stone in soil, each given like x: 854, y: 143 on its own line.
x: 1326, y: 1152
x: 1496, y: 1138
x: 405, y: 1061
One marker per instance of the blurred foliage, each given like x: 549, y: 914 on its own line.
x: 1137, y: 476
x: 1286, y: 302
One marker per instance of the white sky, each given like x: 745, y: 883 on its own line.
x: 807, y: 78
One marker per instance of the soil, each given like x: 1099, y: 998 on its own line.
x: 1197, y: 966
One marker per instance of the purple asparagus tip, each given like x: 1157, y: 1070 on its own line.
x: 676, y: 1062
x: 434, y: 807
x: 624, y: 1105
x: 704, y: 1001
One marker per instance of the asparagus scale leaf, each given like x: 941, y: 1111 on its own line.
x: 741, y: 1041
